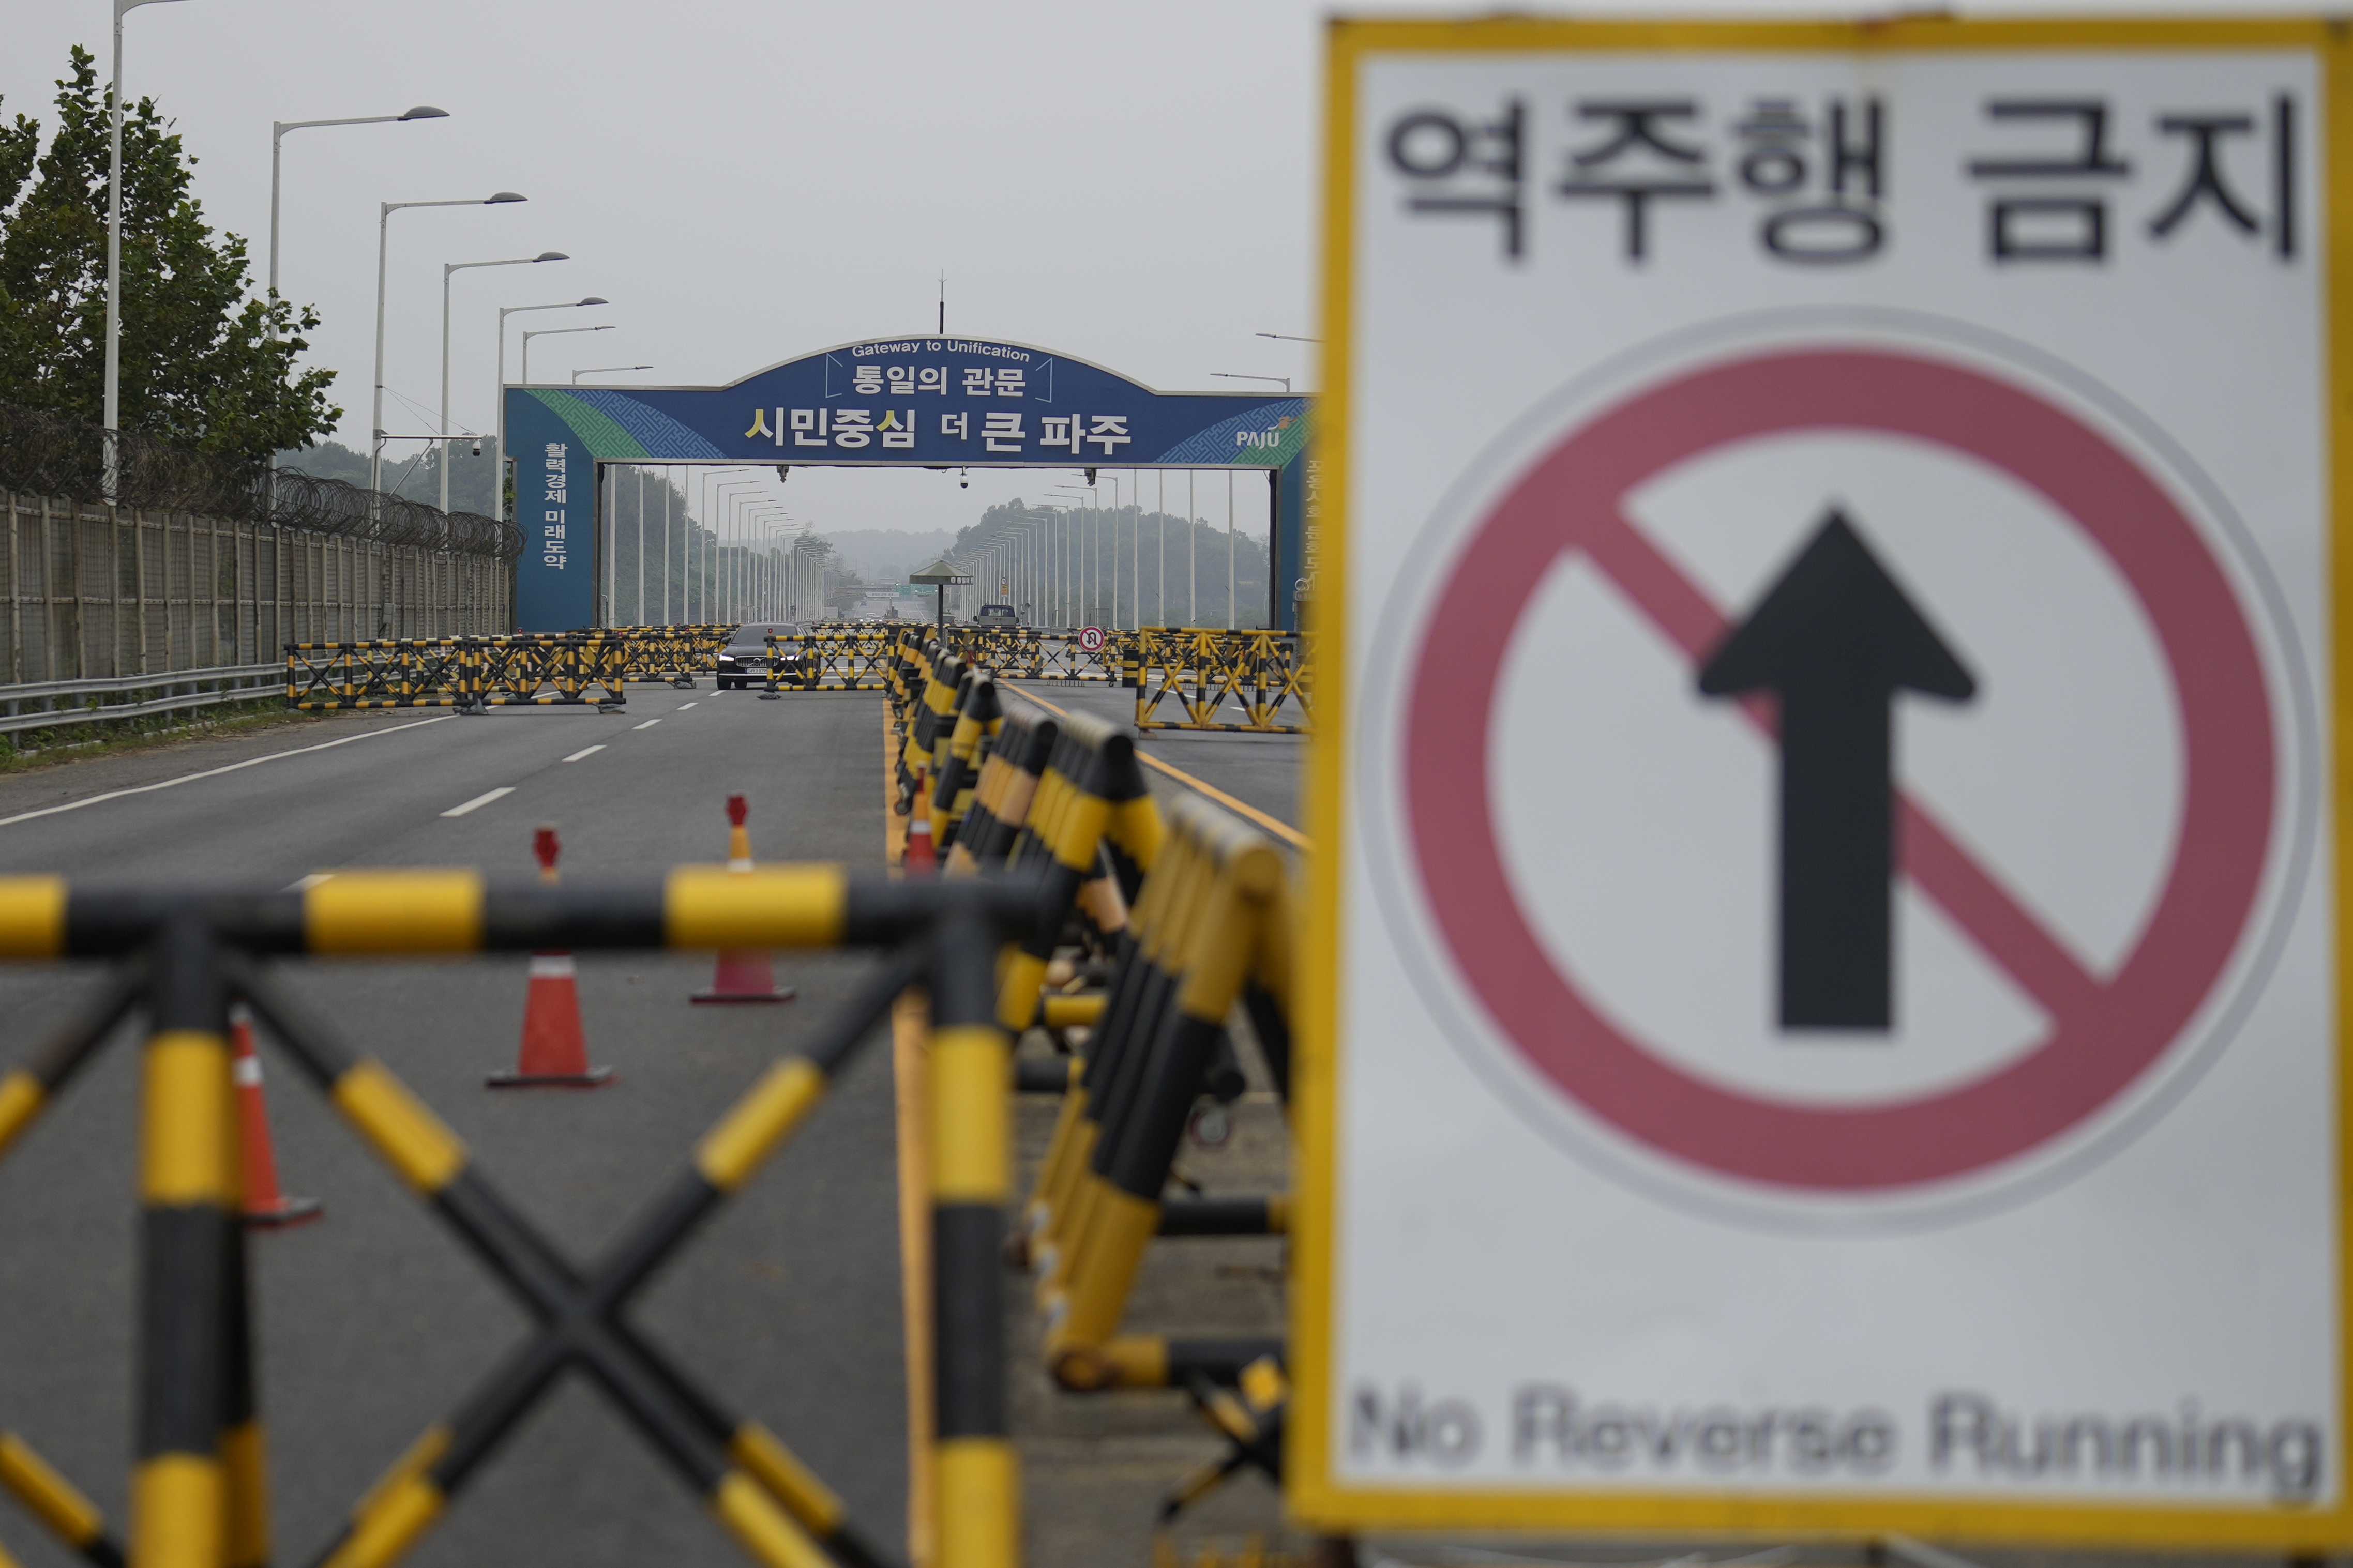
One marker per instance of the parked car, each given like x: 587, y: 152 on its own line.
x: 997, y: 616
x: 744, y: 660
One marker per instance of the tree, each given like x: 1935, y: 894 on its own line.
x: 200, y: 367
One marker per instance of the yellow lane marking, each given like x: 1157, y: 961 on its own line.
x: 1280, y: 830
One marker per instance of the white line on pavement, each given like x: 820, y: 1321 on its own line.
x: 684, y: 706
x: 646, y: 725
x: 479, y: 801
x: 216, y: 773
x: 304, y: 884
x: 589, y: 751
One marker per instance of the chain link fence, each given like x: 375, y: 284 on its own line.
x: 205, y: 562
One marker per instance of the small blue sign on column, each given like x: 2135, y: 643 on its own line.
x: 555, y: 507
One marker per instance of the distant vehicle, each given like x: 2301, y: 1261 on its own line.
x: 744, y: 660
x: 996, y: 616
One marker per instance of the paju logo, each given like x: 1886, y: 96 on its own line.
x: 1263, y: 437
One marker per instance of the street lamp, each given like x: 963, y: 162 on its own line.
x: 1236, y: 375
x: 278, y: 129
x: 1075, y: 572
x: 504, y: 311
x: 759, y: 507
x: 605, y: 370
x: 383, y: 243
x: 718, y: 528
x: 114, y: 258
x: 552, y: 333
x: 448, y: 267
x: 1286, y: 338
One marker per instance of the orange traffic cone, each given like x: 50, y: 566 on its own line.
x: 266, y: 1208
x: 554, y: 1054
x: 743, y: 974
x: 920, y: 859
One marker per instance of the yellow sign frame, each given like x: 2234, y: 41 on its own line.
x: 1311, y: 1495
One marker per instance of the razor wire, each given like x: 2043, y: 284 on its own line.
x: 44, y: 455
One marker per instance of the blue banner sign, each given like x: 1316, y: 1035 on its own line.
x: 924, y: 402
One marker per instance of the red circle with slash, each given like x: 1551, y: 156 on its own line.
x: 1091, y: 638
x: 2104, y: 1033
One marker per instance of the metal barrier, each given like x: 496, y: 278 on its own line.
x: 848, y: 661
x: 1201, y: 672
x: 84, y: 699
x: 197, y: 1497
x: 470, y: 673
x: 1022, y: 653
x: 1186, y: 918
x: 673, y: 654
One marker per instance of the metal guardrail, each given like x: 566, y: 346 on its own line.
x: 85, y: 700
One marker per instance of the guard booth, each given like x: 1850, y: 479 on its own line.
x: 924, y: 402
x: 940, y: 577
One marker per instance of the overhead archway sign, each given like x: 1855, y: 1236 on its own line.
x: 1825, y: 1002
x: 930, y: 401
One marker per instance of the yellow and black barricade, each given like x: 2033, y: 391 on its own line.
x: 198, y: 1497
x: 1205, y: 675
x: 1205, y: 933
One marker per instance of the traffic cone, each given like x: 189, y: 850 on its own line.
x: 743, y: 974
x: 266, y: 1208
x: 919, y: 860
x: 553, y: 1054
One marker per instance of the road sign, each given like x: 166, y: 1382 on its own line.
x: 1828, y: 1014
x: 1091, y: 638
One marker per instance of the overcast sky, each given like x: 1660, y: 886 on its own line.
x: 1128, y: 182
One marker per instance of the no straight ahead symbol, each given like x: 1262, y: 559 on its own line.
x: 1837, y: 639
x: 1816, y: 666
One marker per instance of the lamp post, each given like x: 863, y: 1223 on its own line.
x: 743, y: 522
x: 447, y: 268
x: 1074, y: 556
x: 552, y: 333
x: 504, y: 311
x: 278, y: 129
x: 383, y: 247
x: 605, y: 370
x: 113, y: 419
x: 1236, y: 375
x: 718, y: 578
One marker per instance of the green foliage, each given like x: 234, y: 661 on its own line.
x: 199, y: 366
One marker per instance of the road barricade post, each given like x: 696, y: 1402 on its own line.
x: 197, y: 1494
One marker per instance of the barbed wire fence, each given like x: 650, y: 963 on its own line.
x: 206, y: 561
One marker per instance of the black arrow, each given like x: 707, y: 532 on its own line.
x: 1837, y: 639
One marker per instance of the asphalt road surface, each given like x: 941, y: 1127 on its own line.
x: 374, y: 1321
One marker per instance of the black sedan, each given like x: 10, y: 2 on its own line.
x: 744, y: 660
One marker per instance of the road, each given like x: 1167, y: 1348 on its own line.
x: 374, y: 1322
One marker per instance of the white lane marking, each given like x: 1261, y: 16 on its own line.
x: 684, y: 706
x: 479, y: 801
x: 304, y: 884
x: 646, y: 725
x: 216, y: 773
x: 590, y: 752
